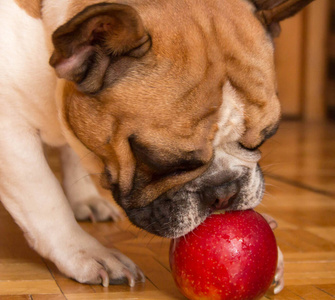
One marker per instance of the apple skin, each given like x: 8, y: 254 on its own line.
x: 229, y: 256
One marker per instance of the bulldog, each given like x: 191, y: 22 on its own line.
x: 169, y: 100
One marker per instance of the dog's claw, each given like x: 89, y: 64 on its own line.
x: 271, y: 221
x: 278, y: 286
x: 104, y: 278
x: 92, y: 218
x: 140, y: 275
x: 95, y: 209
x: 130, y: 277
x: 279, y: 277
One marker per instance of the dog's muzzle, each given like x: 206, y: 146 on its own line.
x: 222, y: 186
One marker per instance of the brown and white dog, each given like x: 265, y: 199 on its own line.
x: 168, y: 99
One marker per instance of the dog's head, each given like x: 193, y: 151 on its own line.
x: 173, y: 98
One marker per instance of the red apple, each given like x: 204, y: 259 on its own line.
x: 232, y: 255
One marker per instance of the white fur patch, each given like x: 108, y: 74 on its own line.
x: 231, y: 124
x: 54, y: 14
x: 230, y: 158
x: 27, y: 82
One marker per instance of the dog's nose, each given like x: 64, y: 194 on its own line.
x: 223, y: 203
x: 220, y: 197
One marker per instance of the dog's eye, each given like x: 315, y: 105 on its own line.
x: 185, y: 166
x: 249, y: 154
x: 162, y: 166
x: 179, y: 169
x: 253, y: 148
x: 266, y: 133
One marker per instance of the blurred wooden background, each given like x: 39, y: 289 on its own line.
x: 303, y: 53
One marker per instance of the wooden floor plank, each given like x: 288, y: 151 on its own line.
x: 17, y: 287
x: 157, y: 274
x: 24, y: 271
x: 327, y: 233
x: 329, y: 289
x: 149, y: 295
x: 303, y: 241
x: 310, y: 257
x: 69, y: 286
x: 286, y: 294
x: 308, y: 292
x: 13, y: 297
x: 48, y: 297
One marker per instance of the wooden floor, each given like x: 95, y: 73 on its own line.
x: 299, y: 164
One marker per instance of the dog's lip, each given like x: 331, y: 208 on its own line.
x: 166, y: 232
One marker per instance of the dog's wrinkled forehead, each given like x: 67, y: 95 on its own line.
x: 215, y: 47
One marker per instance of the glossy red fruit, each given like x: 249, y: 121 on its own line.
x: 229, y: 256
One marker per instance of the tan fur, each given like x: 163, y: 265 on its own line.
x: 32, y: 7
x: 180, y: 94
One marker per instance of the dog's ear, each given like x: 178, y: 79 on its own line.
x: 271, y: 12
x: 97, y: 37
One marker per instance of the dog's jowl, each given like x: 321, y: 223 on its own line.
x: 169, y: 100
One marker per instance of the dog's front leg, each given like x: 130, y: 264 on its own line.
x: 35, y: 199
x: 84, y: 198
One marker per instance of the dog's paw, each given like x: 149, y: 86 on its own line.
x: 278, y: 281
x: 271, y: 221
x: 96, y: 209
x: 102, y: 266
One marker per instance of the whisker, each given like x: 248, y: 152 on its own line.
x: 270, y: 184
x: 265, y: 168
x: 269, y: 196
